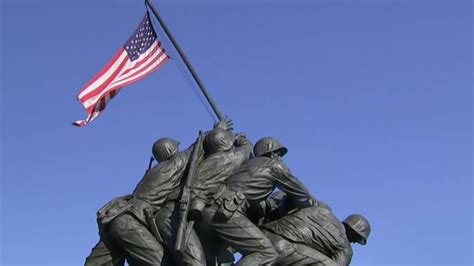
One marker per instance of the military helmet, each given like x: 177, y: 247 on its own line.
x: 218, y: 140
x: 360, y: 225
x: 267, y: 145
x: 164, y: 148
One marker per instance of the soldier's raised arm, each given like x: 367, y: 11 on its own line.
x: 243, y: 147
x: 288, y: 183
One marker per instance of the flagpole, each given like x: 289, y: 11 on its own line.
x: 186, y: 61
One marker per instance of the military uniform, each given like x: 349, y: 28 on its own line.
x: 255, y: 181
x: 124, y: 234
x: 212, y: 172
x: 310, y: 236
x: 123, y: 226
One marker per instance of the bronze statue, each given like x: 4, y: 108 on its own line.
x: 239, y: 202
x: 213, y: 199
x: 199, y: 206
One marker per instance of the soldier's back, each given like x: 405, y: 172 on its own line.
x: 253, y: 178
x: 316, y: 227
x: 162, y: 179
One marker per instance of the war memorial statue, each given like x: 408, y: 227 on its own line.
x: 221, y: 196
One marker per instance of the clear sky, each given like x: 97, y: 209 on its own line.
x: 372, y: 98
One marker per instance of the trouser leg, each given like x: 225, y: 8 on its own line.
x: 102, y: 255
x: 139, y: 244
x: 290, y: 253
x: 244, y: 236
x: 211, y: 244
x: 167, y: 221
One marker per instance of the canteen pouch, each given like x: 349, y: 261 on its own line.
x: 229, y: 202
x: 112, y: 209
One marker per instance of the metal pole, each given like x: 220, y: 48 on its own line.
x: 186, y: 61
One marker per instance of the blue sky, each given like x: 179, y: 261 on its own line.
x: 372, y: 98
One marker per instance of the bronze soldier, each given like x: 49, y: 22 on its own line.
x: 313, y: 235
x: 123, y: 227
x: 167, y: 219
x: 244, y: 194
x: 224, y: 153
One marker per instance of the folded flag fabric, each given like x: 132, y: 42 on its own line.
x: 141, y: 54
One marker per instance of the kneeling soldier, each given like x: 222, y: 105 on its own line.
x: 245, y: 193
x: 124, y: 229
x: 312, y: 236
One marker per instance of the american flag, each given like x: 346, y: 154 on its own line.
x: 137, y: 58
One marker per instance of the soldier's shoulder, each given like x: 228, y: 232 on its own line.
x: 279, y: 165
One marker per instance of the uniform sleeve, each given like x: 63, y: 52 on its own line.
x: 343, y: 258
x: 288, y: 183
x: 243, y: 151
x: 214, y: 170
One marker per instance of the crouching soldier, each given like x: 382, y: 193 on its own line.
x: 312, y: 236
x: 126, y: 225
x: 245, y: 193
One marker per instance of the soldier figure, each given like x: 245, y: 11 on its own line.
x: 167, y: 219
x: 231, y: 206
x: 124, y: 230
x: 245, y: 193
x: 312, y: 236
x: 224, y: 153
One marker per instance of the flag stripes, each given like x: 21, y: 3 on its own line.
x: 141, y: 55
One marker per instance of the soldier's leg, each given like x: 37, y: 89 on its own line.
x: 194, y: 254
x: 139, y: 244
x: 102, y: 255
x: 209, y: 240
x: 167, y: 221
x: 290, y: 253
x: 245, y: 237
x: 225, y: 255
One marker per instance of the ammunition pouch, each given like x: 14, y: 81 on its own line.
x: 228, y: 202
x: 121, y: 205
x: 113, y: 208
x: 196, y: 208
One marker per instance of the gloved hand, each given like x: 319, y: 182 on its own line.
x: 239, y: 139
x: 225, y: 124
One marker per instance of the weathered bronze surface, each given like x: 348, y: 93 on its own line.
x: 220, y: 196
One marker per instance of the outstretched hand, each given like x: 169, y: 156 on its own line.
x: 225, y: 124
x: 239, y: 139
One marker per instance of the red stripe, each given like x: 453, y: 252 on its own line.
x: 114, y: 91
x: 79, y: 123
x: 146, y: 73
x: 102, y: 104
x: 142, y: 61
x: 106, y: 82
x: 112, y: 94
x: 104, y: 85
x: 115, y: 77
x: 140, y: 71
x: 103, y: 70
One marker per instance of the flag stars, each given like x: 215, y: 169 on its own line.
x: 141, y: 40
